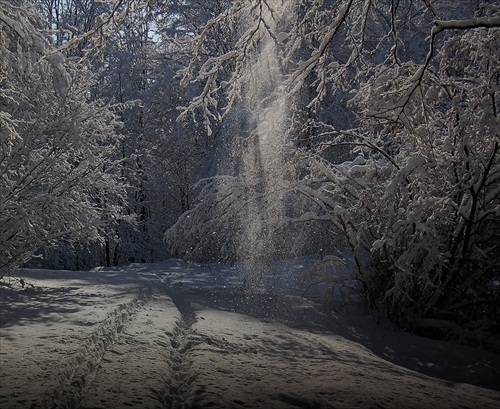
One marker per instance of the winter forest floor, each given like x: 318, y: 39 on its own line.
x: 176, y: 335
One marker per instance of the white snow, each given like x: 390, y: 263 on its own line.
x: 173, y: 334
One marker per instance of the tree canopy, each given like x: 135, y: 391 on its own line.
x: 365, y: 133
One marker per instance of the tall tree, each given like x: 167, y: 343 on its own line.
x: 58, y: 158
x: 166, y: 157
x: 417, y: 201
x: 134, y: 51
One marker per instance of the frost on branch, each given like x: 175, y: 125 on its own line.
x: 434, y: 242
x: 60, y: 179
x: 408, y: 91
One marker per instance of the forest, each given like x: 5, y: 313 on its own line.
x: 364, y: 133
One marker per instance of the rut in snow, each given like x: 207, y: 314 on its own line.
x: 178, y: 389
x: 80, y: 370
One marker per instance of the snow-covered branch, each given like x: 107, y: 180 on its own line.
x: 478, y: 22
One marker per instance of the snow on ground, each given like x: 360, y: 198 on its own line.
x: 176, y: 335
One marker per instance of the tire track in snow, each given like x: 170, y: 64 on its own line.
x: 83, y: 367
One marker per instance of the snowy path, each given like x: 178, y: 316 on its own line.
x: 139, y: 359
x: 169, y: 336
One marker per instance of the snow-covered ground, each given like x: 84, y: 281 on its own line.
x: 176, y: 335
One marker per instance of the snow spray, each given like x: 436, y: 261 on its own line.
x: 264, y: 167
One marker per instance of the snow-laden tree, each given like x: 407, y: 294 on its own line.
x: 68, y: 19
x: 437, y: 232
x: 133, y: 51
x: 417, y: 202
x: 59, y: 170
x: 165, y: 157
